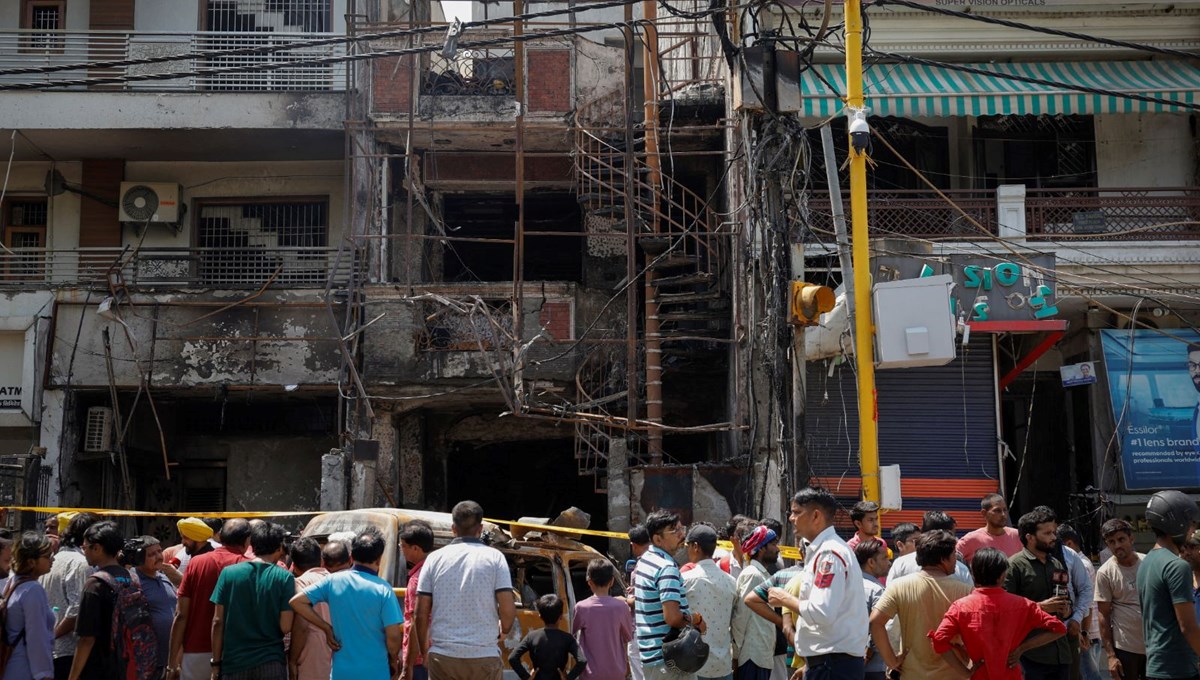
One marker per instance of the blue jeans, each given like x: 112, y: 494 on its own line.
x: 835, y: 667
x: 1089, y: 661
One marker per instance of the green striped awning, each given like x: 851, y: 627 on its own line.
x: 922, y: 90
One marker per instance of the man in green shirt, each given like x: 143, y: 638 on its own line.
x: 1164, y: 584
x: 252, y: 612
x: 1037, y: 575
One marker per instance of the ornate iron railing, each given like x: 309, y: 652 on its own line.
x: 1134, y: 214
x: 1131, y: 214
x: 487, y: 72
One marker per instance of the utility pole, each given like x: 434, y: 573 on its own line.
x: 864, y: 353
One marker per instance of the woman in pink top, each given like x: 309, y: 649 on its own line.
x: 993, y: 625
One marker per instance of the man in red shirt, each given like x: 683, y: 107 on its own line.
x: 191, y: 632
x: 416, y: 542
x: 994, y: 624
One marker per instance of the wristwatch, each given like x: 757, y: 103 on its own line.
x: 215, y: 663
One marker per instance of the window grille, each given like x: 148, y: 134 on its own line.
x: 264, y: 16
x: 257, y: 20
x: 43, y: 16
x: 250, y: 242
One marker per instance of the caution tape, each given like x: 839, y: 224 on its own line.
x: 146, y: 513
x: 787, y: 551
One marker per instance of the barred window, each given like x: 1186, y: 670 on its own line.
x: 248, y: 241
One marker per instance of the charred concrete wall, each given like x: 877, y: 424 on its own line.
x: 407, y: 346
x: 186, y: 340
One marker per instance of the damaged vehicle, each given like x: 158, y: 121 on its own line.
x: 540, y: 561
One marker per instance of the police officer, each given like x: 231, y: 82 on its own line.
x: 831, y: 633
x: 1164, y: 584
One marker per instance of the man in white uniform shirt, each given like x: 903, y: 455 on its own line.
x: 831, y: 633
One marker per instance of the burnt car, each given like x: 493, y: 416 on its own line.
x: 541, y: 562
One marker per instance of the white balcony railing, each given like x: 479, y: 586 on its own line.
x: 310, y: 267
x: 27, y: 49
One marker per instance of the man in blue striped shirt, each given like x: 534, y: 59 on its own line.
x: 661, y: 602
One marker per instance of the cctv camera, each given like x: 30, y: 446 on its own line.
x: 860, y: 133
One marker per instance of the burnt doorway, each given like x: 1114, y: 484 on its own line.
x: 534, y: 478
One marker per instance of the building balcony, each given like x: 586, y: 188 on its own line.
x: 60, y: 50
x: 447, y: 331
x: 1012, y: 211
x: 213, y: 268
x: 90, y: 89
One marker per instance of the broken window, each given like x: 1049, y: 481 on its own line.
x: 552, y: 251
x: 471, y: 72
x: 532, y: 577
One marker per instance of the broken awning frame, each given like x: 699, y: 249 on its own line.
x: 1054, y: 329
x: 922, y: 90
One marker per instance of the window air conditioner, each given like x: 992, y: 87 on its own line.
x: 97, y: 432
x: 150, y: 202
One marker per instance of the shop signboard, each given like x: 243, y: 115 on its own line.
x: 12, y: 363
x: 1018, y: 288
x: 1154, y: 385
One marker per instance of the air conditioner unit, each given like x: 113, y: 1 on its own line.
x: 98, y: 430
x: 150, y: 202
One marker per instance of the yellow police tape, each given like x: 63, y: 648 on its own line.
x: 788, y: 552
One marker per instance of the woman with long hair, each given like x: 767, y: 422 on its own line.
x: 29, y: 625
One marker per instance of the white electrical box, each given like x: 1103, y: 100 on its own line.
x: 889, y: 488
x: 913, y: 322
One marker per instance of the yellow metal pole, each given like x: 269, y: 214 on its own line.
x: 864, y: 352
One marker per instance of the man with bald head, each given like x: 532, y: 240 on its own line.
x: 191, y: 632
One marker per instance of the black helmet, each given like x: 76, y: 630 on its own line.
x: 1170, y: 512
x: 684, y: 650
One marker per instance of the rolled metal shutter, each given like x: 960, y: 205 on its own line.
x: 938, y: 423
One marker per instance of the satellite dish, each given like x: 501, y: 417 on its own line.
x: 55, y: 184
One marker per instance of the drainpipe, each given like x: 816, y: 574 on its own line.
x: 653, y: 344
x: 654, y: 396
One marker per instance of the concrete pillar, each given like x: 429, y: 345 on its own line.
x: 362, y: 484
x: 618, y: 496
x: 410, y: 460
x: 55, y: 420
x: 333, y: 480
x: 383, y: 430
x: 1010, y: 210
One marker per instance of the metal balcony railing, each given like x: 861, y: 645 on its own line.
x: 924, y: 214
x: 1089, y: 213
x: 32, y: 49
x: 1134, y: 214
x: 209, y: 267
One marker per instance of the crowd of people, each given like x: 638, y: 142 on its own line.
x: 1001, y: 602
x: 83, y: 602
x: 234, y: 600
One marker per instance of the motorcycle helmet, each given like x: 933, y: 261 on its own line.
x: 1172, y: 513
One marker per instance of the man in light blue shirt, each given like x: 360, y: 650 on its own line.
x: 660, y: 599
x: 365, y: 622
